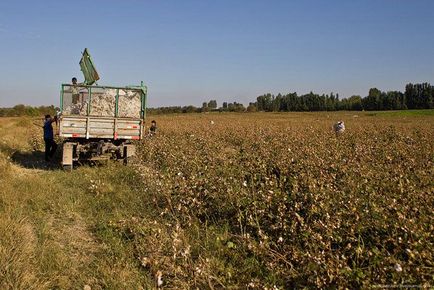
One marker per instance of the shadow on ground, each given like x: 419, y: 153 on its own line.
x: 34, y: 160
x: 31, y: 159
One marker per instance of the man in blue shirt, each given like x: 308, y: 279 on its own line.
x: 50, y: 145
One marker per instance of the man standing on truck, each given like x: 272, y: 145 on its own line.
x: 50, y: 145
x: 75, y: 90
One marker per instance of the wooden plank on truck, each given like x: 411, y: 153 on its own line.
x: 100, y: 131
x: 129, y: 137
x: 128, y: 131
x: 101, y: 136
x: 94, y: 125
x: 73, y: 125
x: 71, y: 130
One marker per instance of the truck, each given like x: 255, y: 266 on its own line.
x: 98, y: 122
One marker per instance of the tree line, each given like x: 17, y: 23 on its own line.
x: 23, y: 110
x: 416, y: 96
x: 206, y: 107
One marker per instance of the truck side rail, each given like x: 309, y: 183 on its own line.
x: 103, y: 101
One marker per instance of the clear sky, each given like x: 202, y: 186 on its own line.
x: 190, y: 51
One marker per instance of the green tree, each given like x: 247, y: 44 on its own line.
x: 212, y: 104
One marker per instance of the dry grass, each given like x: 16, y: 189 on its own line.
x: 49, y: 221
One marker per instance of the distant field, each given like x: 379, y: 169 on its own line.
x: 216, y: 200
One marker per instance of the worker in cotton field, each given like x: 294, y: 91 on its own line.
x: 153, y: 128
x: 50, y: 145
x: 339, y: 128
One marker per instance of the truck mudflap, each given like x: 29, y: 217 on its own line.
x: 129, y: 151
x: 67, y: 155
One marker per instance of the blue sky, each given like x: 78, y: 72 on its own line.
x: 191, y: 51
